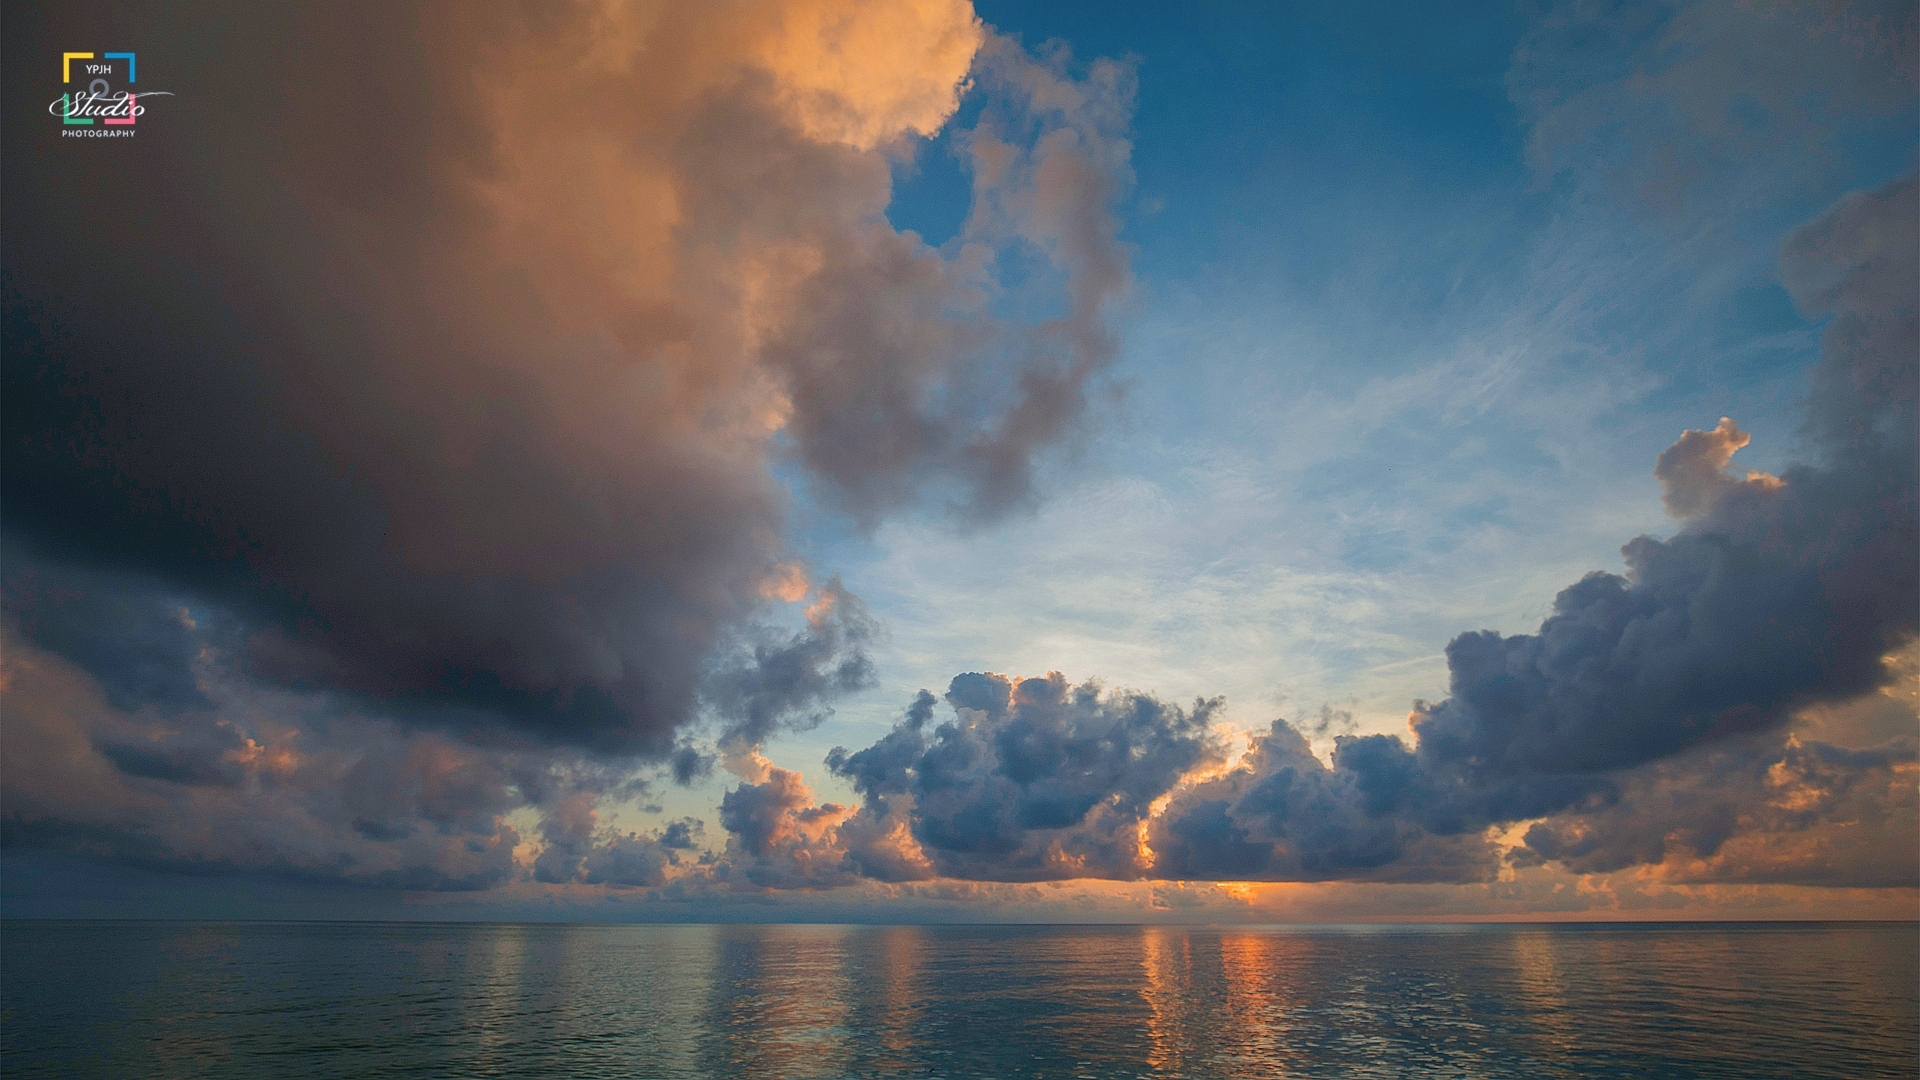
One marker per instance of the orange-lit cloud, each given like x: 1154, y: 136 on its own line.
x: 1692, y: 472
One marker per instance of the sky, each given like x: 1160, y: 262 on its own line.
x: 854, y: 460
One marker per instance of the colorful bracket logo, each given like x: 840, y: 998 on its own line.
x: 66, y: 76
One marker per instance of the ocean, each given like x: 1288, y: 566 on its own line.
x: 390, y: 1000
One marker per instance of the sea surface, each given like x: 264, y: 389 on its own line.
x: 390, y: 1000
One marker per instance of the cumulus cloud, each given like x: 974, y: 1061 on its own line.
x: 1833, y: 803
x: 455, y: 387
x: 1646, y: 723
x: 1282, y: 815
x: 1777, y: 595
x: 1693, y: 472
x: 1033, y: 779
x: 780, y: 837
x: 412, y: 468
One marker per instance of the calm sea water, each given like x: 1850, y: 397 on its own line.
x: 414, y: 1000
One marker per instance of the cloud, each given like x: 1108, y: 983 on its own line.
x: 412, y: 468
x: 456, y: 386
x: 1832, y: 803
x: 1646, y: 723
x: 1806, y: 813
x: 903, y: 384
x: 579, y: 851
x: 265, y: 783
x: 256, y: 783
x: 1855, y: 263
x: 1692, y: 472
x: 679, y: 835
x: 1033, y: 779
x: 780, y: 837
x: 1707, y: 89
x: 774, y: 677
x: 1282, y: 815
x: 1777, y: 595
x: 129, y: 631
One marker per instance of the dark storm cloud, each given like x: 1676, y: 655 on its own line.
x: 459, y: 399
x: 132, y: 633
x: 256, y: 782
x: 201, y: 756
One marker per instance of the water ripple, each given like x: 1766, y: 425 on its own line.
x: 789, y: 1002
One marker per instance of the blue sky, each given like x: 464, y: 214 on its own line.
x: 1403, y: 347
x: 425, y: 498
